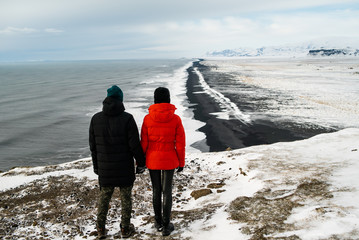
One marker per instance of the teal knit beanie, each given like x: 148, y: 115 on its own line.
x: 115, y: 92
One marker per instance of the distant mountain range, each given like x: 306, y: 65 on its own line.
x: 309, y: 49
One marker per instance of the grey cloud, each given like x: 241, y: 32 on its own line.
x: 95, y: 12
x: 95, y: 28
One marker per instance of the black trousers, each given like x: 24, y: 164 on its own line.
x: 162, y: 186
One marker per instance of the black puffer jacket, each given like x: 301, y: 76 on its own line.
x: 114, y: 142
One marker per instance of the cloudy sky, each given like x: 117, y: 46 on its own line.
x: 120, y: 29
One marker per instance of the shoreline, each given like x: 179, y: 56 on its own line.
x: 223, y: 134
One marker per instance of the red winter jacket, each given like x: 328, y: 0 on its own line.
x: 163, y: 138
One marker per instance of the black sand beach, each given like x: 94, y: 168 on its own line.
x: 222, y: 134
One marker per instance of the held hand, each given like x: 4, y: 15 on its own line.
x: 179, y: 169
x: 140, y: 170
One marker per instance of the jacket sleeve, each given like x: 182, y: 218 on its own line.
x: 134, y: 142
x: 180, y: 143
x: 92, y: 142
x: 144, y: 136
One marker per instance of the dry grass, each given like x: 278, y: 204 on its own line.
x: 266, y: 212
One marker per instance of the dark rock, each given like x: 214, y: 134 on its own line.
x: 215, y: 185
x: 328, y: 52
x: 200, y: 193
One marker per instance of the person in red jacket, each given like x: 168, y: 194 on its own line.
x: 163, y: 142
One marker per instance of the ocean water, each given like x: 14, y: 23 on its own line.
x: 46, y: 107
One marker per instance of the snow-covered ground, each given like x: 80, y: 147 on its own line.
x: 306, y: 189
x: 323, y: 91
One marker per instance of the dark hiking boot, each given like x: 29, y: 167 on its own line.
x: 127, y: 232
x: 101, y: 233
x: 158, y: 226
x: 168, y: 229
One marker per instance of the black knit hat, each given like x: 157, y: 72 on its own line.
x: 162, y: 95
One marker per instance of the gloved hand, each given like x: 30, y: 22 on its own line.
x: 140, y: 170
x: 179, y: 169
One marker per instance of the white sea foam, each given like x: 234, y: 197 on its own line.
x: 229, y: 109
x: 176, y: 83
x: 178, y: 89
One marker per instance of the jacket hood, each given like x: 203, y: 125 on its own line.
x: 112, y: 106
x: 162, y: 112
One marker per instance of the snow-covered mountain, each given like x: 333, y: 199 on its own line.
x: 313, y: 48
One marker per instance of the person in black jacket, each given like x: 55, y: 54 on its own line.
x: 114, y: 142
